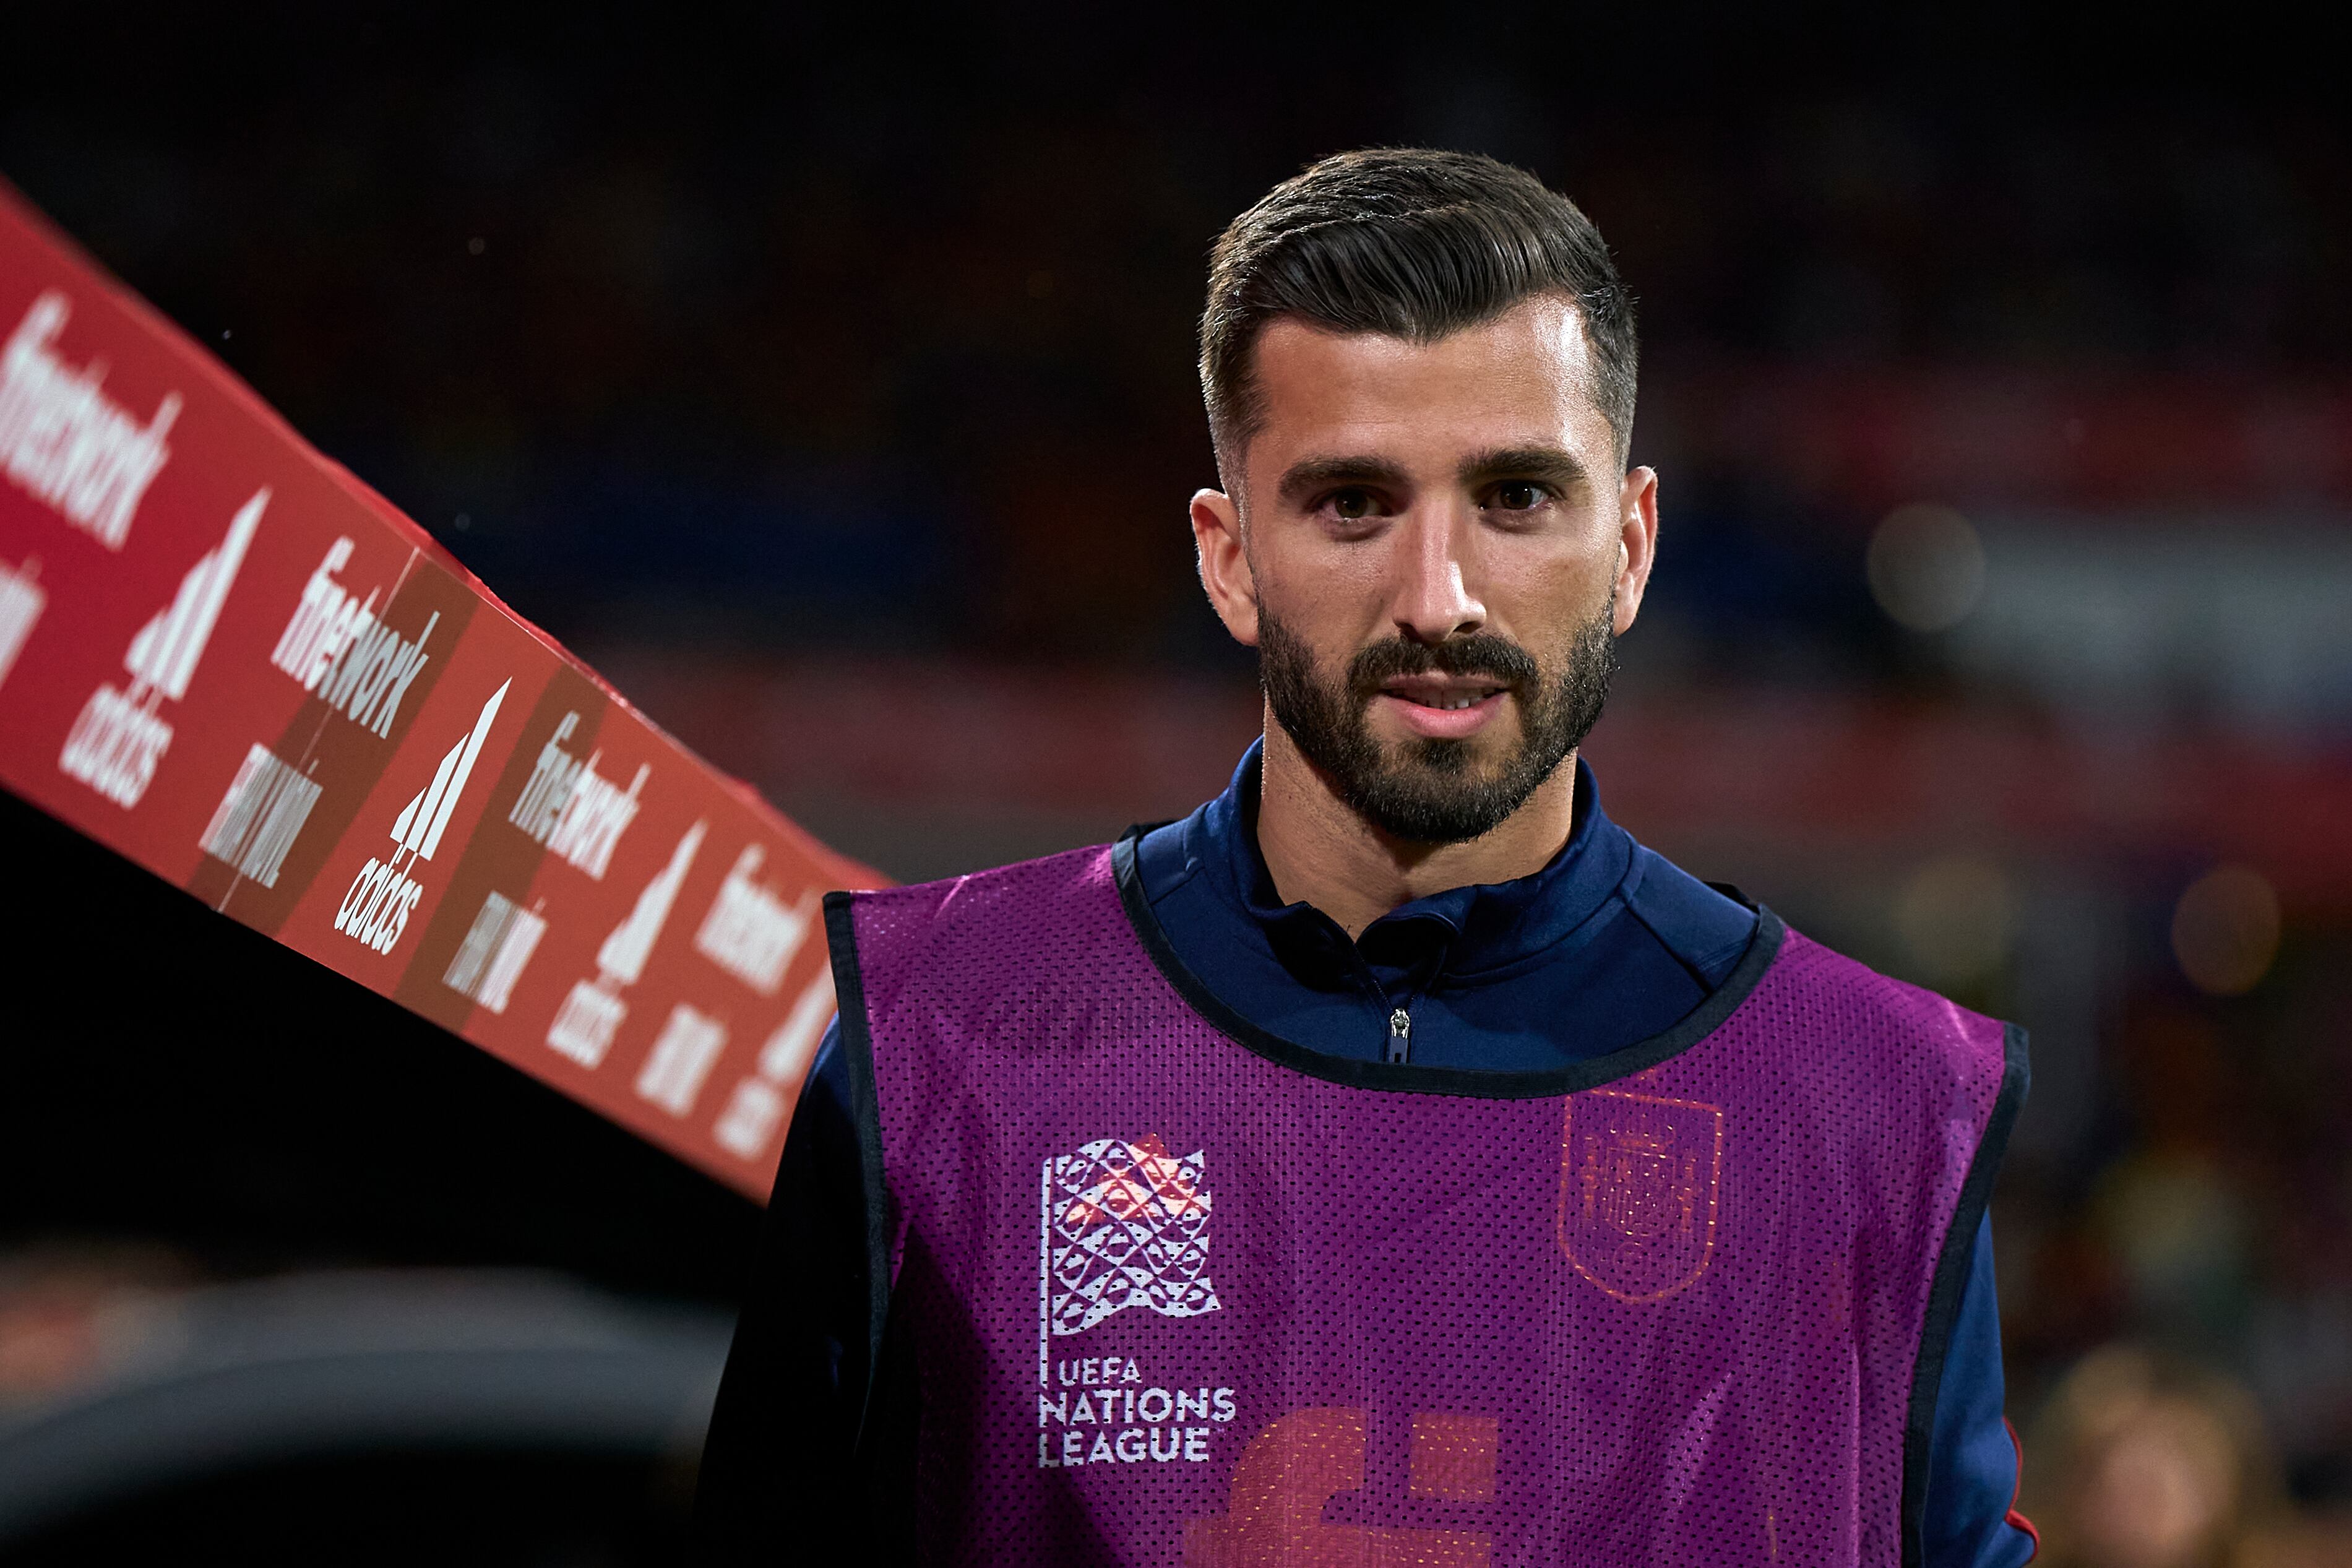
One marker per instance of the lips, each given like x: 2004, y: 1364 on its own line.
x: 1442, y: 707
x: 1445, y: 694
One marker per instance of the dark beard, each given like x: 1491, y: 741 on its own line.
x: 1426, y: 792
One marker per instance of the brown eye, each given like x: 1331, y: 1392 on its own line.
x: 1351, y: 506
x: 1520, y: 496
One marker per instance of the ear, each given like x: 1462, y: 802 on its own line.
x: 1637, y: 541
x: 1225, y: 564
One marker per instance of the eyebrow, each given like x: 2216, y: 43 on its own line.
x: 1310, y: 474
x: 1554, y: 464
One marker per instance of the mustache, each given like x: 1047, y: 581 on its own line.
x: 1497, y: 658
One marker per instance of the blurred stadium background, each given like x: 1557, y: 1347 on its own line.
x: 833, y: 396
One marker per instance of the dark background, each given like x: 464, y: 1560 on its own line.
x: 827, y: 382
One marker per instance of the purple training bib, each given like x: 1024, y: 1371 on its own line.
x: 1178, y: 1292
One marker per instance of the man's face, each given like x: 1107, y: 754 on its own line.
x: 1434, y: 548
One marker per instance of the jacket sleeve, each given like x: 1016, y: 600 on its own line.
x: 1972, y: 1462
x: 777, y: 1467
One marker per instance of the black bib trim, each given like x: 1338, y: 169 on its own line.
x: 1949, y: 1285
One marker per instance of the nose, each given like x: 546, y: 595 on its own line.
x: 1434, y: 597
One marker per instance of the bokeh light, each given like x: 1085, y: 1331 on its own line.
x: 2225, y: 930
x: 1956, y: 915
x: 1926, y: 568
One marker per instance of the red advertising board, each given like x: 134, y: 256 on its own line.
x: 225, y: 657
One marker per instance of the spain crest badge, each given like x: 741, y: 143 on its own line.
x: 1637, y: 1191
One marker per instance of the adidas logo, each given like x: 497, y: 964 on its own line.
x: 376, y: 909
x: 119, y: 739
x: 591, y: 1013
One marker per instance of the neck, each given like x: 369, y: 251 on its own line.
x: 1321, y: 852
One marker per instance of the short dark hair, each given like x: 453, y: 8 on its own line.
x: 1414, y: 243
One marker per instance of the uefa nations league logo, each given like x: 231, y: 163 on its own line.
x: 1127, y: 1225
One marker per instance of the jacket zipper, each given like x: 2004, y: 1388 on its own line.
x: 1399, y: 1035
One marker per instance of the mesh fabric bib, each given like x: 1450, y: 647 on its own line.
x: 1178, y: 1292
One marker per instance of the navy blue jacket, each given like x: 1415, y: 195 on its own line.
x: 1607, y: 944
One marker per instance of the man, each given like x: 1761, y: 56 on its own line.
x: 1391, y: 1162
